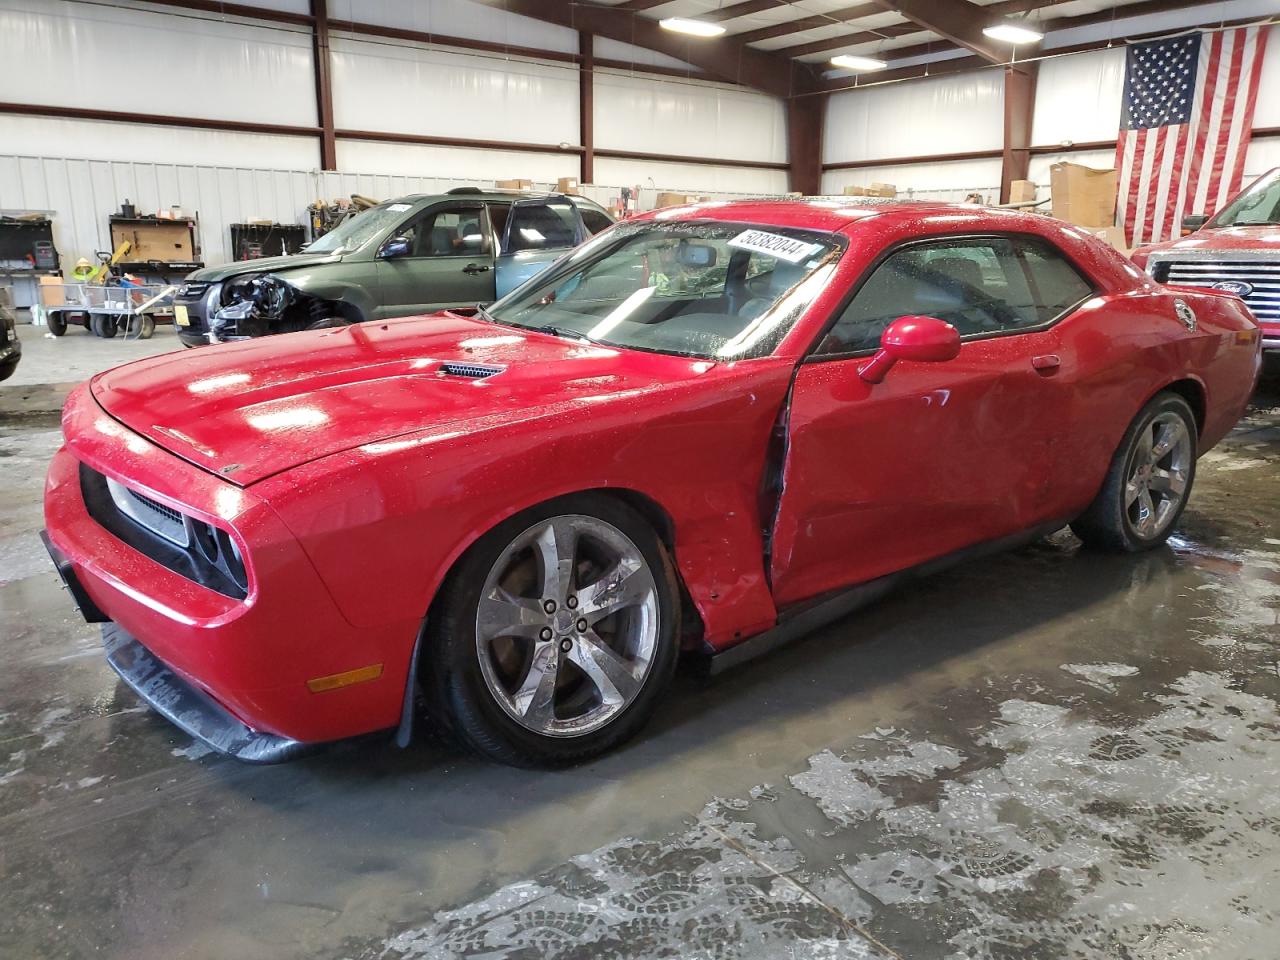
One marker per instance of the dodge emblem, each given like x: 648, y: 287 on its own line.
x: 1238, y: 287
x: 1185, y: 313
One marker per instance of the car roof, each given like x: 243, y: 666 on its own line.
x: 840, y: 213
x: 481, y: 194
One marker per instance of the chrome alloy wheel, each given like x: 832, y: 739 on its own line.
x: 1158, y: 470
x: 567, y: 625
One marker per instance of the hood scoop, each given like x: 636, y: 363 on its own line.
x: 469, y: 371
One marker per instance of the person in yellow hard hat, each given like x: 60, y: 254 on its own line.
x: 83, y: 270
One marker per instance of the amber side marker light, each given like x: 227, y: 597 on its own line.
x: 338, y: 680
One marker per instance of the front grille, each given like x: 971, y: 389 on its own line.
x: 475, y: 371
x: 192, y: 291
x: 1263, y: 278
x: 156, y: 517
x: 157, y: 531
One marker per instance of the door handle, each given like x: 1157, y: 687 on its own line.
x: 476, y: 268
x: 1046, y: 363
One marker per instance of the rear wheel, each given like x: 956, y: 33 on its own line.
x: 57, y: 322
x: 555, y: 636
x: 1148, y: 483
x: 140, y: 327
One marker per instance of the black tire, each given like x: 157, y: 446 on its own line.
x: 140, y: 328
x: 57, y: 322
x: 1107, y: 524
x: 460, y: 704
x: 103, y: 325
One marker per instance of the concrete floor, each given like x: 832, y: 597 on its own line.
x: 1042, y: 754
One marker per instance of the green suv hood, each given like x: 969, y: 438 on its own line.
x: 264, y: 265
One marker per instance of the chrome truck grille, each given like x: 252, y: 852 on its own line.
x: 1256, y: 282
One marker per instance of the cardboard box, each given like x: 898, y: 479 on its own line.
x: 514, y: 184
x: 1020, y: 191
x: 672, y: 200
x: 1113, y: 236
x: 1083, y: 195
x: 855, y: 191
x: 51, y: 294
x: 567, y: 185
x: 882, y: 190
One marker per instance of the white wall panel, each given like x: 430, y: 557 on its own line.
x: 393, y: 88
x: 951, y: 180
x: 688, y: 178
x: 1078, y: 98
x: 77, y: 54
x: 916, y: 119
x: 455, y: 166
x: 687, y: 118
x: 109, y: 140
x: 1263, y: 155
x: 607, y: 49
x: 457, y: 18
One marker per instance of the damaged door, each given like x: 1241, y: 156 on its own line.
x: 442, y: 258
x: 537, y: 233
x: 938, y: 456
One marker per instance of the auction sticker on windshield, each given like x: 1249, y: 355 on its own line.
x: 775, y: 245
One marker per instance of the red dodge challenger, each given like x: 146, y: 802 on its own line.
x: 711, y: 427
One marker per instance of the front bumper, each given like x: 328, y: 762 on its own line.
x: 188, y: 708
x: 254, y: 656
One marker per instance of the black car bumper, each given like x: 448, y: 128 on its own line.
x: 191, y: 710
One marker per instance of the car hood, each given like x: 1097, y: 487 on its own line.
x: 263, y: 265
x: 248, y: 410
x: 1224, y: 239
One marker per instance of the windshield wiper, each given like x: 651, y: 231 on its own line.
x: 561, y: 332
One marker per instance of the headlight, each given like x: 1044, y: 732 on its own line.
x: 268, y: 294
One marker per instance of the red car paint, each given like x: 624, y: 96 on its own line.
x: 1256, y: 245
x: 353, y: 473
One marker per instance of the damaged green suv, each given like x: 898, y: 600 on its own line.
x: 399, y: 258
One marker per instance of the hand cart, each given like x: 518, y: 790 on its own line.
x: 108, y: 310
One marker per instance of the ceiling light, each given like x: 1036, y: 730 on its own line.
x: 695, y: 28
x: 858, y: 63
x: 1012, y: 33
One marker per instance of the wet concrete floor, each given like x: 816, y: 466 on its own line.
x: 1044, y: 754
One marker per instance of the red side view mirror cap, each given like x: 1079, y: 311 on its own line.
x: 921, y: 339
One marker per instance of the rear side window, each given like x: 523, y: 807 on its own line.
x: 594, y: 220
x: 541, y: 226
x: 981, y: 286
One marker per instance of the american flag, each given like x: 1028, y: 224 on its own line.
x: 1185, y: 125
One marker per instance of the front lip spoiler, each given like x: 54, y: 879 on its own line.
x: 191, y: 710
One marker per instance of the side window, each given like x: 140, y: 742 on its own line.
x: 979, y: 286
x: 594, y: 220
x: 541, y: 226
x: 446, y: 232
x: 1057, y: 286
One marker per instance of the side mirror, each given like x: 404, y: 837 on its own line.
x: 922, y: 339
x: 395, y: 247
x: 1193, y: 222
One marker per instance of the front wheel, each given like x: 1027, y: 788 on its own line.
x: 555, y: 636
x: 1148, y: 482
x: 57, y: 322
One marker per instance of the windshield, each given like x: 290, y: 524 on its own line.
x: 354, y: 233
x: 1260, y: 204
x: 693, y: 288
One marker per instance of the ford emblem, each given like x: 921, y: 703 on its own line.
x: 1238, y: 287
